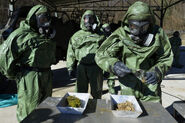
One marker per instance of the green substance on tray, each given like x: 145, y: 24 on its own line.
x: 73, y: 101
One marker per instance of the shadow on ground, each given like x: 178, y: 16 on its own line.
x: 8, y: 86
x: 61, y: 78
x: 117, y: 89
x: 171, y: 109
x: 51, y: 115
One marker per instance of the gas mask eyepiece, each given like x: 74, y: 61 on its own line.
x: 107, y: 30
x: 138, y: 28
x: 43, y: 20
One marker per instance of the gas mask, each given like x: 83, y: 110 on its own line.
x: 139, y: 32
x: 107, y: 30
x: 44, y: 25
x: 90, y: 22
x: 138, y: 28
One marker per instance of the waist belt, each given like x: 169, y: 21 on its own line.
x: 36, y: 69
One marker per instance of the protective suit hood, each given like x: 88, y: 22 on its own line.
x: 30, y: 21
x: 105, y: 25
x: 138, y: 11
x: 88, y: 12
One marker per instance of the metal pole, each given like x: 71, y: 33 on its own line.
x: 162, y: 13
x: 56, y: 14
x: 10, y: 12
x: 11, y: 7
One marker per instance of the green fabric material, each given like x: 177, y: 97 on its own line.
x: 120, y: 47
x: 111, y: 78
x: 89, y: 74
x: 111, y: 84
x: 26, y: 47
x: 82, y: 48
x: 30, y: 22
x: 139, y: 11
x: 33, y: 88
x: 176, y: 42
x: 105, y: 25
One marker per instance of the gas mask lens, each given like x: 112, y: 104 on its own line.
x: 138, y: 27
x: 43, y: 20
x: 107, y: 29
x: 133, y: 26
x: 145, y: 28
x: 89, y: 19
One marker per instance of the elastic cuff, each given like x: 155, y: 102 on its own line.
x: 112, y: 66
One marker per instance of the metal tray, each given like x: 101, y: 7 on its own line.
x: 84, y: 97
x: 115, y: 99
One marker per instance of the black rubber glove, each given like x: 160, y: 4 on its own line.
x: 120, y: 69
x: 106, y: 74
x: 151, y: 77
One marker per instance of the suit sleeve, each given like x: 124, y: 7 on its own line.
x: 8, y: 59
x: 106, y: 56
x: 165, y: 56
x: 70, y: 56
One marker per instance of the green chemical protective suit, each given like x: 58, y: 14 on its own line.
x: 26, y: 56
x: 156, y: 57
x: 82, y: 48
x: 110, y: 77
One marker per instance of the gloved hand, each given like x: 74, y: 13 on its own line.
x: 71, y: 73
x: 151, y: 77
x: 106, y: 74
x: 120, y: 69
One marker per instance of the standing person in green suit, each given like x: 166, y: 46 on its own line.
x: 144, y: 54
x: 106, y: 29
x: 82, y: 48
x: 26, y: 56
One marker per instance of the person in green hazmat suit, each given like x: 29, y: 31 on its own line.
x: 26, y: 56
x: 139, y: 53
x: 106, y: 29
x: 82, y: 48
x: 176, y: 42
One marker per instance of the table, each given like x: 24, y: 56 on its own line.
x: 97, y: 111
x: 180, y: 108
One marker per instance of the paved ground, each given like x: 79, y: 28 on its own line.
x: 173, y: 88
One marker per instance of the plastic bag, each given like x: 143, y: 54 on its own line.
x: 8, y: 100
